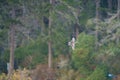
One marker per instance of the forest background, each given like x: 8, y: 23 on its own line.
x: 34, y: 34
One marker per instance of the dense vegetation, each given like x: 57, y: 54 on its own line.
x: 34, y: 34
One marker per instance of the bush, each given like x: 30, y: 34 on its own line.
x: 17, y: 75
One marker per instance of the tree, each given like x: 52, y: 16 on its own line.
x: 49, y: 41
x: 118, y: 17
x: 118, y: 10
x: 83, y: 54
x: 9, y: 18
x: 12, y: 46
x: 97, y: 19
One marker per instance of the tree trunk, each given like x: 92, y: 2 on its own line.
x: 49, y: 46
x: 49, y: 54
x: 118, y: 10
x: 109, y: 4
x: 49, y: 42
x: 12, y: 47
x: 76, y: 30
x: 118, y: 17
x: 97, y: 19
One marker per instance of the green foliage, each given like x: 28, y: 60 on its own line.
x: 13, y: 2
x: 90, y: 24
x: 30, y: 55
x: 60, y: 39
x: 3, y: 35
x: 82, y: 55
x: 37, y: 49
x: 111, y: 57
x: 85, y: 41
x: 87, y: 12
x: 65, y: 74
x: 98, y: 74
x: 64, y: 14
x: 74, y: 3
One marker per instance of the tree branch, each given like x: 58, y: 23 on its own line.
x: 112, y: 18
x: 73, y: 10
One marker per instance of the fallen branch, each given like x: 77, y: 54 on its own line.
x: 112, y: 18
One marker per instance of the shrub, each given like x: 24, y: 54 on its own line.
x: 17, y: 75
